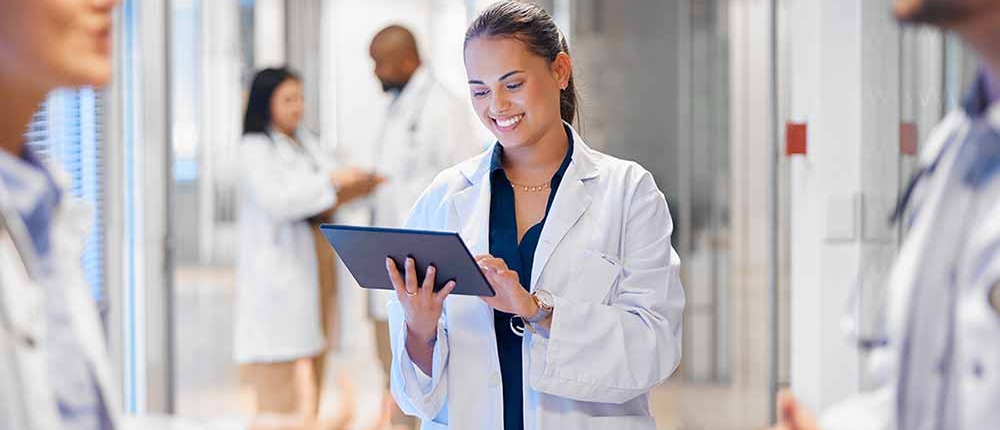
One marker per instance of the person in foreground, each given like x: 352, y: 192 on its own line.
x: 587, y: 316
x: 941, y: 366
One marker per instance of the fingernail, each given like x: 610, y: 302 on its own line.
x: 431, y: 268
x: 451, y: 284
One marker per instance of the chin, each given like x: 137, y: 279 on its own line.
x: 941, y: 13
x: 95, y: 72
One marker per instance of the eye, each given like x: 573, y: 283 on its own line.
x: 480, y: 93
x: 514, y: 86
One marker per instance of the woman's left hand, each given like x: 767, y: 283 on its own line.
x: 511, y: 297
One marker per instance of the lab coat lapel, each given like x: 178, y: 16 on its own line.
x: 73, y: 224
x: 472, y: 205
x: 571, y: 202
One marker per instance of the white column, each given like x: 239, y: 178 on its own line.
x: 222, y: 108
x: 752, y: 166
x: 844, y: 55
x: 269, y: 33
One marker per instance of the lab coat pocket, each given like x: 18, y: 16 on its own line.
x: 595, y: 279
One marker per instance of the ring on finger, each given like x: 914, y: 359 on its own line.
x: 410, y: 293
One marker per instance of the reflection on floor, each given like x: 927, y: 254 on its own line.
x: 209, y: 388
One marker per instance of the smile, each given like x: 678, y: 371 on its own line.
x: 508, y: 122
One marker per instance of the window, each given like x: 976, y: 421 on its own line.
x: 66, y: 130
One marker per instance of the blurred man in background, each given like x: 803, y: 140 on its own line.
x: 425, y: 130
x: 941, y: 366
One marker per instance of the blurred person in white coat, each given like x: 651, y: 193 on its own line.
x: 940, y: 366
x: 426, y: 129
x: 285, y: 181
x: 587, y: 317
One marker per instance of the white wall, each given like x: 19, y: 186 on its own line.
x: 269, y: 33
x: 845, y: 86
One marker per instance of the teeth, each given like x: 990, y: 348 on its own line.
x: 508, y: 122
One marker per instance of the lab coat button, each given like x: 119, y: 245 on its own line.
x: 495, y: 380
x: 943, y: 366
x: 977, y: 370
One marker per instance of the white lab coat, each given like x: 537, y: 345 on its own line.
x: 606, y: 257
x: 426, y: 130
x: 936, y: 256
x: 27, y: 401
x: 277, y: 284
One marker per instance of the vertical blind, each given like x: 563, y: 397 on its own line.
x: 66, y: 130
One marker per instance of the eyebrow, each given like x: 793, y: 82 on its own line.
x: 505, y: 76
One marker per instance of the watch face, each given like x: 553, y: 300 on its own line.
x: 544, y: 299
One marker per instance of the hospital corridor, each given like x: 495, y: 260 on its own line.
x: 490, y: 215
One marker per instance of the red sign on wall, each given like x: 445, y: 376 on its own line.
x: 796, y: 138
x: 908, y: 138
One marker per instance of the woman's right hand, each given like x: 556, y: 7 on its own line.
x: 421, y: 305
x: 353, y: 183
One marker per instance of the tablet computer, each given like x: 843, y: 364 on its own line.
x: 363, y: 250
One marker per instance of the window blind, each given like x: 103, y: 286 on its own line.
x: 66, y: 130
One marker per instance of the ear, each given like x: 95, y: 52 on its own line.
x: 562, y: 69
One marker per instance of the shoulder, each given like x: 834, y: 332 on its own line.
x: 457, y: 178
x: 446, y: 184
x: 255, y: 139
x: 937, y: 141
x: 625, y: 175
x: 444, y: 95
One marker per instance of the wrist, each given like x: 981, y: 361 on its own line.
x: 529, y: 308
x: 543, y: 306
x: 423, y: 333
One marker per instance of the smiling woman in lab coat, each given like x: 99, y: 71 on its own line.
x: 588, y: 313
x: 285, y: 181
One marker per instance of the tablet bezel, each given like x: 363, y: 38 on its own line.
x: 421, y: 268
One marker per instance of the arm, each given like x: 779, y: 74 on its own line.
x: 284, y: 195
x: 418, y: 335
x: 636, y: 338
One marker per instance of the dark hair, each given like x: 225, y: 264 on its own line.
x: 534, y: 27
x: 258, y: 114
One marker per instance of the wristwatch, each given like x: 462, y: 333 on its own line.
x: 545, y: 304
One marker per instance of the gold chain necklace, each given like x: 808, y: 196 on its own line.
x: 531, y: 188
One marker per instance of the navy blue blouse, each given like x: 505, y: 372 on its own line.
x: 519, y: 258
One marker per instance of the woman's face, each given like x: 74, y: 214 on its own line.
x: 56, y: 43
x: 515, y: 92
x: 287, y: 106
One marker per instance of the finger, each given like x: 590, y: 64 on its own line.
x: 489, y: 263
x: 427, y: 289
x: 501, y: 263
x: 443, y: 294
x: 501, y: 275
x: 411, y: 276
x: 786, y: 408
x: 397, y: 280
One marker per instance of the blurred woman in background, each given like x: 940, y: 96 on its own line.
x: 285, y: 181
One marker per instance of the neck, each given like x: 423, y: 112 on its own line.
x: 289, y: 133
x: 19, y: 103
x: 538, y: 161
x: 983, y: 36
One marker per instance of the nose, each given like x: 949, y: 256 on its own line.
x: 499, y: 104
